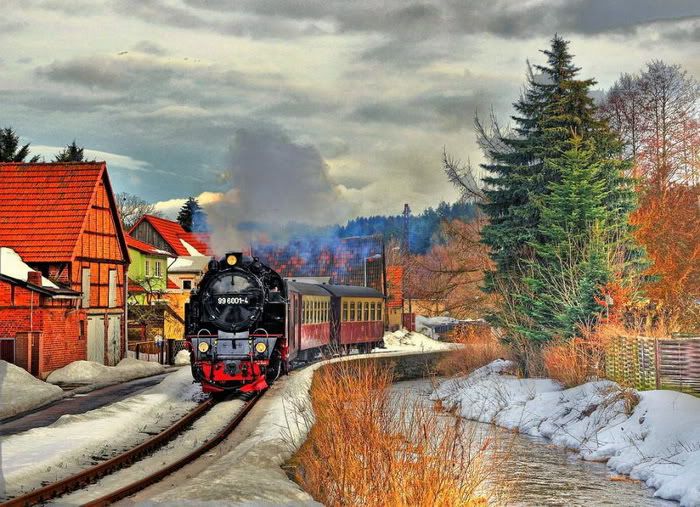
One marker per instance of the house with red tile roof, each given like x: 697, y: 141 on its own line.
x: 62, y: 221
x: 170, y: 236
x: 148, y: 271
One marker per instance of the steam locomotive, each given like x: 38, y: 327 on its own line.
x: 245, y: 324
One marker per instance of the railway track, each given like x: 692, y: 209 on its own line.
x: 93, y: 474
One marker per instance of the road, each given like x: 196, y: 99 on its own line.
x: 77, y: 404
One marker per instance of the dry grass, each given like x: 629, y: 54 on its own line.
x: 367, y: 448
x: 480, y: 346
x: 567, y: 362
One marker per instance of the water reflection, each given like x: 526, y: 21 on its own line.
x: 542, y: 474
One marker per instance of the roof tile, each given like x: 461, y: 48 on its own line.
x: 43, y: 206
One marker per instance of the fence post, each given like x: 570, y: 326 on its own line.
x: 657, y: 373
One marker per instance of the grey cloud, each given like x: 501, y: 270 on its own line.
x: 501, y: 17
x: 108, y: 73
x: 396, y: 113
x: 10, y: 26
x: 446, y: 111
x: 688, y: 33
x: 149, y: 47
x: 228, y: 22
x: 72, y: 103
x: 301, y: 106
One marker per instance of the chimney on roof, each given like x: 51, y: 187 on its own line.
x: 34, y: 277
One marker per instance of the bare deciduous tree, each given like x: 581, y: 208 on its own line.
x: 131, y: 207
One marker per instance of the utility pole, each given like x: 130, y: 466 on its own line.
x: 405, y: 251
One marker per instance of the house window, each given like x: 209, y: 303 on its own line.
x: 156, y: 269
x: 148, y: 268
x: 112, y: 293
x: 187, y: 284
x: 85, y: 286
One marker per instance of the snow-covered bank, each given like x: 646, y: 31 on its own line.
x: 405, y: 341
x: 20, y: 391
x: 74, y: 442
x: 89, y: 372
x: 657, y: 441
x: 252, y: 474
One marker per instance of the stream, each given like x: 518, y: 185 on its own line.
x: 540, y: 473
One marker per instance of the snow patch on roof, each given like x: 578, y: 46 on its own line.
x: 12, y: 265
x: 190, y: 249
x: 188, y: 264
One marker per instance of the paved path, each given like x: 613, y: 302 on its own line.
x: 77, y: 404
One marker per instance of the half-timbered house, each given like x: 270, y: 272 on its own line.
x: 62, y: 220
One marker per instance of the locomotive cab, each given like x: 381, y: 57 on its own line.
x: 235, y: 325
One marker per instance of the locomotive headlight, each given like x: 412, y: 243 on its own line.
x: 231, y: 260
x: 260, y: 347
x: 203, y: 347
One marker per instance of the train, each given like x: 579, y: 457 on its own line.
x: 245, y: 325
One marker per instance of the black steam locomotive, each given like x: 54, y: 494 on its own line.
x: 235, y: 325
x: 244, y: 323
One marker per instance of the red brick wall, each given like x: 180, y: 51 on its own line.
x: 57, y: 320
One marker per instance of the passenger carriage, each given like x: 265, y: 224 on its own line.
x: 358, y: 317
x: 308, y: 321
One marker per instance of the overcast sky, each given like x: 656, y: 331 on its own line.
x: 342, y: 108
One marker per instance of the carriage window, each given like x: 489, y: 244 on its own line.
x: 305, y: 311
x: 345, y: 311
x: 352, y: 311
x: 379, y: 311
x: 316, y: 312
x: 366, y: 310
x: 372, y: 311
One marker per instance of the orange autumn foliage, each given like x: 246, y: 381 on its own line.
x: 668, y: 226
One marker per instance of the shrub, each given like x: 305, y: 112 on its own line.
x: 479, y: 346
x: 368, y: 448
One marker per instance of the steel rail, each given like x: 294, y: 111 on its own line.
x: 94, y: 473
x: 137, y: 486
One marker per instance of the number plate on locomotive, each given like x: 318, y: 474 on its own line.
x: 232, y: 300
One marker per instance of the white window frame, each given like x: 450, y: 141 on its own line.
x: 85, y: 286
x: 112, y: 292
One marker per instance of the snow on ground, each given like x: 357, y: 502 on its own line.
x: 202, y: 430
x: 252, y: 474
x: 658, y: 441
x: 74, y: 442
x: 405, y: 341
x: 20, y: 391
x: 182, y: 358
x: 89, y: 372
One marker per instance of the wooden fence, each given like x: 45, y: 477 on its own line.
x: 651, y: 363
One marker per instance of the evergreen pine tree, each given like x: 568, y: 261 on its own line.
x: 10, y: 149
x: 71, y: 153
x: 553, y: 186
x: 187, y: 213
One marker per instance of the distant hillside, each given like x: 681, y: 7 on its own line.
x: 424, y: 229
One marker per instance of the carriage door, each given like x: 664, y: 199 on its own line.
x: 96, y: 339
x: 113, y: 339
